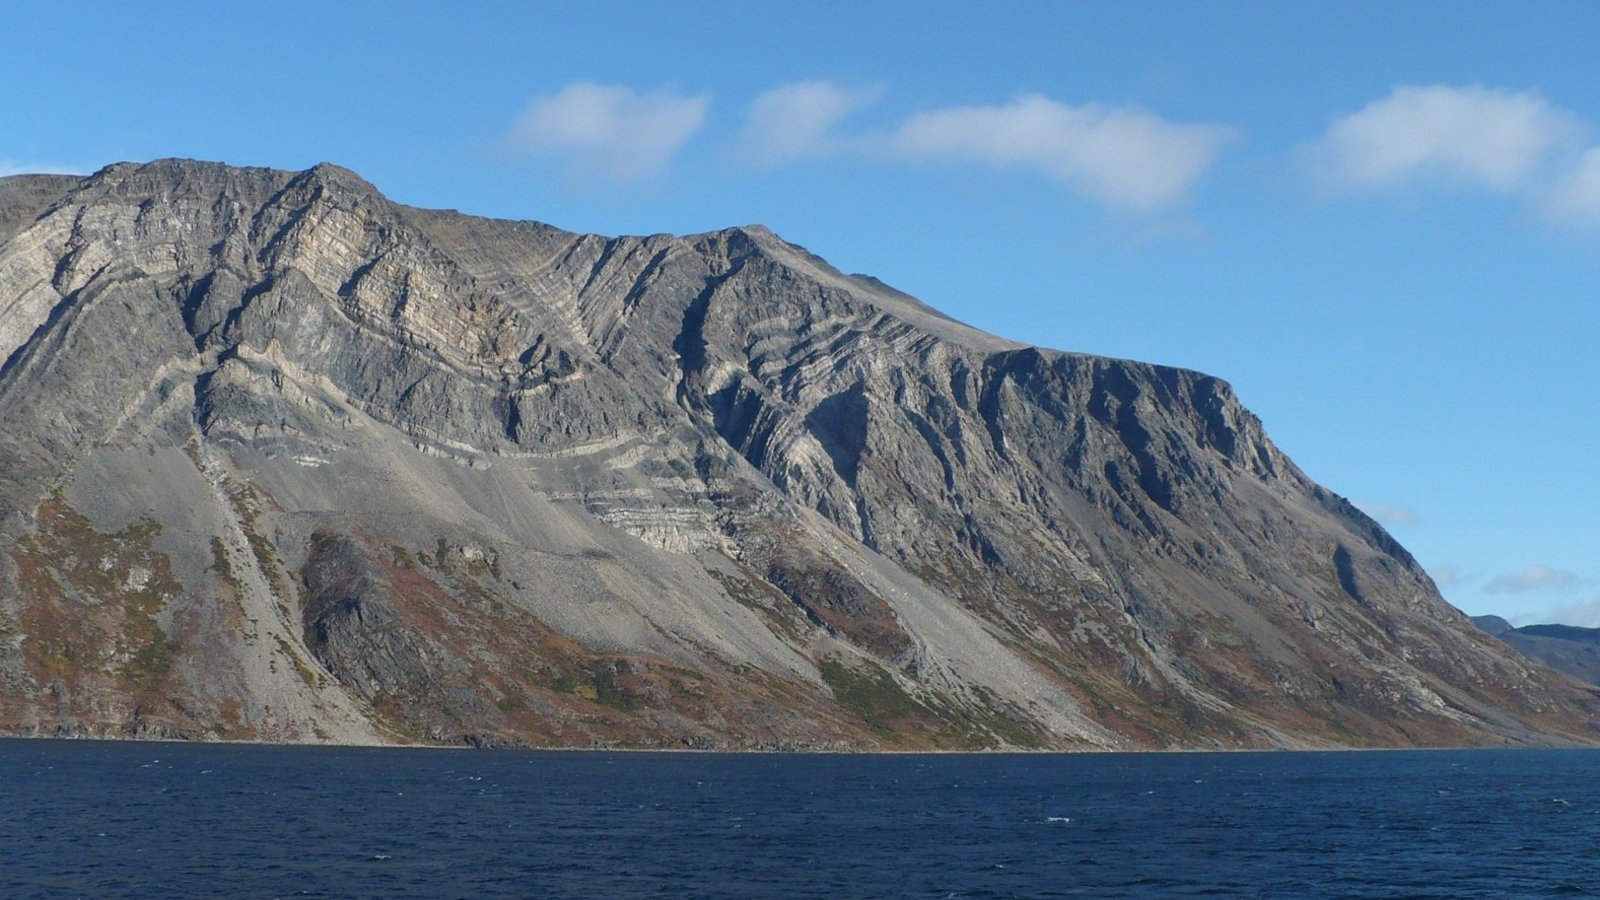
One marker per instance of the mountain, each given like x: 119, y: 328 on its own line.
x: 1568, y: 649
x: 283, y: 460
x: 1494, y: 625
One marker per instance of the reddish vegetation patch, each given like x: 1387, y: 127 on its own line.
x: 835, y: 599
x: 476, y: 667
x: 90, y: 604
x: 550, y: 689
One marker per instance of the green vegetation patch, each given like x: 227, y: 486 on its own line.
x: 221, y: 565
x: 988, y: 724
x: 153, y: 661
x: 400, y: 557
x: 873, y: 694
x: 91, y: 599
x: 600, y: 682
x: 769, y: 603
x: 869, y: 691
x: 312, y: 679
x: 247, y: 505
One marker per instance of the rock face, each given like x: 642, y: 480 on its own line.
x: 283, y: 460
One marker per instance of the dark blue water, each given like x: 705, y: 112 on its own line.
x: 174, y: 820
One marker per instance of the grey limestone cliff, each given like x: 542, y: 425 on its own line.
x: 283, y: 460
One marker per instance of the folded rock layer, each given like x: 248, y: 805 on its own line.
x: 283, y: 460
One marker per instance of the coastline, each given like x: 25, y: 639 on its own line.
x: 759, y: 751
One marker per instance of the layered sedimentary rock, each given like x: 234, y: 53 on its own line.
x: 283, y: 460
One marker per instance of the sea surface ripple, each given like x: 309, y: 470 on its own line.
x: 114, y: 819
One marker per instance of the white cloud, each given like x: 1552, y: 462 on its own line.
x: 10, y: 167
x: 1170, y: 229
x: 1576, y: 197
x: 1390, y: 515
x: 1450, y: 575
x: 1584, y: 614
x: 1127, y: 159
x: 1533, y: 578
x: 609, y: 131
x: 1495, y: 139
x: 800, y: 121
x: 1124, y: 158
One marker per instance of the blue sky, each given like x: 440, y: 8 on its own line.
x: 1380, y: 222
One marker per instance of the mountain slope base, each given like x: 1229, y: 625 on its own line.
x: 282, y: 460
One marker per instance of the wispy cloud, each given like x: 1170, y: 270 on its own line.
x: 801, y: 121
x: 1127, y: 159
x: 1450, y: 575
x: 1124, y: 158
x: 1533, y: 578
x: 1576, y: 197
x: 1443, y: 137
x: 1180, y: 230
x: 1490, y: 138
x: 1584, y: 613
x: 12, y: 167
x: 609, y: 131
x: 1390, y: 515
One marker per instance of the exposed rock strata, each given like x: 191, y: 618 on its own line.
x: 280, y: 459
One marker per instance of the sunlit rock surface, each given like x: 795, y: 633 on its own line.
x: 283, y: 460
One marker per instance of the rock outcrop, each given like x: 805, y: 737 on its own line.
x: 283, y: 460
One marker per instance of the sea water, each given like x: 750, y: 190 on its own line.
x: 185, y: 820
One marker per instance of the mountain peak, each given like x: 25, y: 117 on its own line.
x: 283, y: 460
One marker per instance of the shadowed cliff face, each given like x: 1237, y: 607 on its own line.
x: 282, y: 460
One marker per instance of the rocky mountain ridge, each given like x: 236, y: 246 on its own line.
x: 283, y: 460
x: 1569, y: 649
